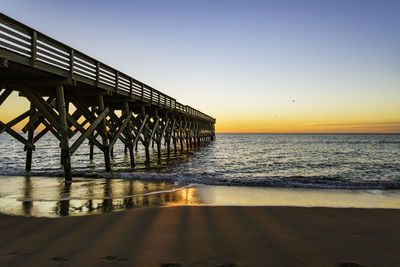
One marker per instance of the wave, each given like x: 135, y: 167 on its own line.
x: 299, y: 181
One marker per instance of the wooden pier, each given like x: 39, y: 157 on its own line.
x: 71, y: 93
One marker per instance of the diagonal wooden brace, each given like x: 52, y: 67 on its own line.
x: 154, y: 129
x: 121, y: 128
x: 4, y: 95
x: 43, y: 108
x: 89, y: 130
x: 82, y: 130
x: 165, y: 128
x: 137, y: 137
x: 17, y: 136
x: 51, y: 129
x: 113, y: 128
x: 88, y: 115
x: 15, y: 121
x: 35, y: 118
x: 172, y: 130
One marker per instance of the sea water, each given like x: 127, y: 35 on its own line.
x: 326, y: 164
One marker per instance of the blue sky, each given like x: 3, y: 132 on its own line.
x: 245, y: 61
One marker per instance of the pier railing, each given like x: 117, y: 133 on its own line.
x: 27, y: 46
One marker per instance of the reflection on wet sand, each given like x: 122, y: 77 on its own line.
x: 27, y: 204
x: 50, y: 197
x: 63, y: 204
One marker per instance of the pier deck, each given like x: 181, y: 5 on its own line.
x: 72, y: 93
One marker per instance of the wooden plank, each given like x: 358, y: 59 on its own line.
x: 55, y: 57
x: 15, y: 34
x: 55, y: 63
x: 52, y: 50
x: 52, y: 43
x: 52, y: 69
x: 13, y: 47
x: 15, y: 41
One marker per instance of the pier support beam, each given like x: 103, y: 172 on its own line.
x: 130, y: 145
x: 147, y: 139
x: 173, y: 132
x: 107, y: 161
x: 91, y: 149
x: 28, y: 163
x: 188, y: 142
x: 62, y: 111
x: 182, y: 134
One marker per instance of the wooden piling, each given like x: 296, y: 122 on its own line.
x: 64, y: 134
x: 91, y: 150
x: 107, y: 161
x: 28, y: 163
x: 130, y: 146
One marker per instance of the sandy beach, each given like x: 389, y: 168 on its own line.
x: 206, y: 236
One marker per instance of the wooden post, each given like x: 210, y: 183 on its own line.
x: 112, y: 149
x: 130, y: 146
x: 170, y: 134
x: 157, y: 136
x: 28, y: 164
x: 107, y: 160
x: 34, y: 48
x: 195, y: 135
x: 199, y: 133
x: 174, y: 138
x: 146, y: 140
x: 181, y: 134
x: 187, y: 138
x: 64, y: 134
x: 91, y: 149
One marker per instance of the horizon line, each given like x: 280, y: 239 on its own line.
x: 304, y: 133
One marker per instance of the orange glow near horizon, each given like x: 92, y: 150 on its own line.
x: 356, y: 127
x: 385, y: 121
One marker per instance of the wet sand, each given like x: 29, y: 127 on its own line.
x: 205, y: 236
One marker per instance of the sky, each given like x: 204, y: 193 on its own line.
x: 256, y: 66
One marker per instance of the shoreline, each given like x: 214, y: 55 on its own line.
x: 51, y: 197
x: 206, y: 236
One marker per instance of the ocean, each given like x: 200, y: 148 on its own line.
x: 288, y: 162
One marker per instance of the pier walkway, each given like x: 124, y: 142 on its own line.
x: 71, y: 93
